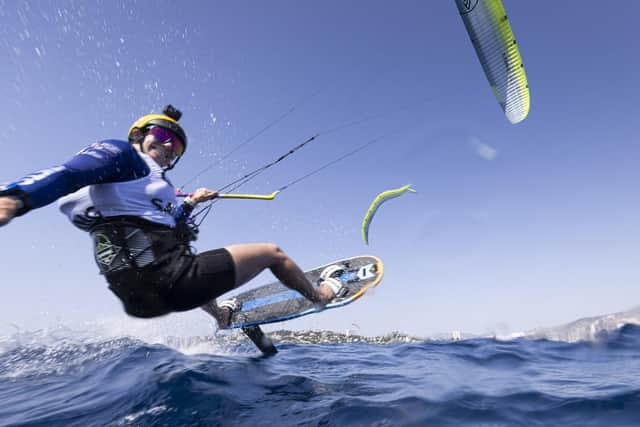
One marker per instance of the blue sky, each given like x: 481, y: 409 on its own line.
x: 542, y: 231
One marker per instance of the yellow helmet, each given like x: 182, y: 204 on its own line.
x: 168, y: 120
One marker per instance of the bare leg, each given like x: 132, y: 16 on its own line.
x: 222, y: 316
x: 251, y: 259
x: 212, y: 308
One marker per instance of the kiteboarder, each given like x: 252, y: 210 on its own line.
x: 118, y: 192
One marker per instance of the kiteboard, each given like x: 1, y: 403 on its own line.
x: 275, y: 302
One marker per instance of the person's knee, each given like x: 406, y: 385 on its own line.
x: 271, y: 249
x: 276, y: 253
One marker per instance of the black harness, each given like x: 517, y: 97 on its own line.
x: 133, y: 243
x: 141, y: 260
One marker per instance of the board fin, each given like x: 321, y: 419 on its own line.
x: 261, y: 341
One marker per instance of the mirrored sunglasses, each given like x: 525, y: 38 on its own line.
x: 165, y: 135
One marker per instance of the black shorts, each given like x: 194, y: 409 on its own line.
x: 210, y: 275
x: 160, y: 289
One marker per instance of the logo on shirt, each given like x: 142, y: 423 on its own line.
x: 105, y: 250
x: 162, y: 206
x: 39, y: 176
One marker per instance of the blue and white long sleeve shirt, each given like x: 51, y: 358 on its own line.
x: 106, y: 179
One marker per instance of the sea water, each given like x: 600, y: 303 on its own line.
x: 66, y: 378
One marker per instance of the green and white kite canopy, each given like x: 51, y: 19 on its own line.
x: 488, y: 27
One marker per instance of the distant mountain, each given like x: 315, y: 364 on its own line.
x: 588, y: 328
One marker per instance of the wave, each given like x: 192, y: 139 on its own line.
x: 319, y: 378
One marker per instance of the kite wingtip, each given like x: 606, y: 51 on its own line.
x: 365, y: 239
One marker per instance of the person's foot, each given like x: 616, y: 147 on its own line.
x: 225, y: 312
x: 330, y: 284
x: 326, y: 293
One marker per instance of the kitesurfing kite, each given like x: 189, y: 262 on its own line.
x: 488, y: 27
x: 379, y: 200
